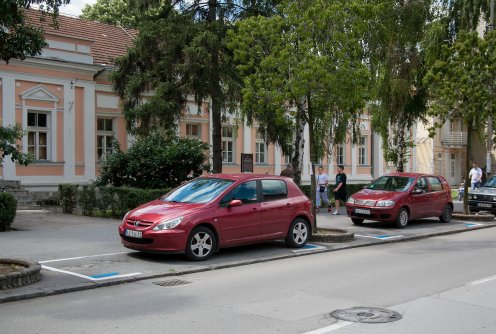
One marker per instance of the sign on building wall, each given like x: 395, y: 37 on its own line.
x: 246, y: 163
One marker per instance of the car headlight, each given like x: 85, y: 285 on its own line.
x: 125, y: 216
x: 168, y: 224
x: 351, y: 200
x: 385, y: 203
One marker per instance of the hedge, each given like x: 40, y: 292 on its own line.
x: 8, y: 207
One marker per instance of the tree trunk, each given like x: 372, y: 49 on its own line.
x: 313, y: 159
x: 299, y: 146
x: 400, y: 149
x: 467, y: 167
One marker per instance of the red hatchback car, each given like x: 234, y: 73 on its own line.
x: 220, y: 210
x: 401, y: 197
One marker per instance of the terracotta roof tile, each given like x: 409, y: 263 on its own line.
x: 109, y: 41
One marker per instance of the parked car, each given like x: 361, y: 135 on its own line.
x: 217, y: 211
x: 401, y: 197
x: 483, y: 198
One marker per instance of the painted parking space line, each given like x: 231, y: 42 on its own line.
x: 484, y: 280
x: 82, y: 257
x: 379, y: 237
x: 308, y: 248
x: 90, y: 278
x: 338, y: 325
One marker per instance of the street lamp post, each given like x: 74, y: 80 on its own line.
x: 489, y: 140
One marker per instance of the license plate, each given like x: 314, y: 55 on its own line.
x: 362, y: 211
x: 134, y: 234
x: 485, y: 205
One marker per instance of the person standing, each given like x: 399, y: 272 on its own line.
x: 322, y: 182
x: 340, y: 188
x: 288, y: 171
x: 475, y: 176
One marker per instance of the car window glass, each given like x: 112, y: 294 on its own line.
x: 422, y: 184
x: 491, y: 182
x: 246, y: 192
x: 436, y: 185
x: 274, y: 189
x: 201, y: 190
x: 391, y: 183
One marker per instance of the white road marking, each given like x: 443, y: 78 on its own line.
x: 81, y: 257
x: 484, y: 280
x: 88, y: 277
x: 379, y: 238
x: 328, y: 329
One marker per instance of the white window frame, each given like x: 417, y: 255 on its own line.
x: 452, y: 165
x: 199, y: 132
x: 362, y: 151
x: 37, y: 130
x: 340, y: 154
x: 106, y: 151
x: 260, y: 150
x: 228, y: 145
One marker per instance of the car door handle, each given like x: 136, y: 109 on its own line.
x: 288, y: 204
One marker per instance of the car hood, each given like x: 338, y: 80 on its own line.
x: 376, y: 195
x: 483, y: 191
x: 158, y: 210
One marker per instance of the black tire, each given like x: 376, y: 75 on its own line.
x: 402, y: 219
x: 201, y: 244
x: 298, y: 234
x: 357, y: 221
x: 445, y: 217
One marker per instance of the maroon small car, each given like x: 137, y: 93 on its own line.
x: 401, y: 197
x: 220, y: 210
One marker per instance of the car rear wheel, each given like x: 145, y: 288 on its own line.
x: 402, y: 219
x: 357, y: 221
x: 298, y: 233
x: 201, y: 244
x: 447, y: 214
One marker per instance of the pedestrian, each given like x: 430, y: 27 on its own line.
x: 322, y: 182
x: 288, y: 171
x: 340, y: 188
x: 475, y: 176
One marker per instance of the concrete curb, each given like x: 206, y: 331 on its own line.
x: 325, y: 249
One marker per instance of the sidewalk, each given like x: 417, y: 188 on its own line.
x: 79, y: 253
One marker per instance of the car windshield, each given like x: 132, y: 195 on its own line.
x: 391, y: 183
x: 201, y: 190
x: 491, y: 183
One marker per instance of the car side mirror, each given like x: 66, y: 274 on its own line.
x: 234, y: 202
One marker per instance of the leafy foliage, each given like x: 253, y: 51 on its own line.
x: 67, y: 195
x: 155, y: 162
x: 114, y: 12
x: 18, y: 37
x: 8, y: 207
x: 9, y: 145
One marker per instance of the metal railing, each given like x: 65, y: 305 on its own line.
x: 458, y: 139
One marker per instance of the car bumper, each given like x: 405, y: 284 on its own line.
x: 371, y: 213
x: 482, y: 205
x: 167, y: 241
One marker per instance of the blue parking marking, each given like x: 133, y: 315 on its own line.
x: 472, y: 225
x: 383, y: 236
x: 105, y: 275
x: 309, y: 246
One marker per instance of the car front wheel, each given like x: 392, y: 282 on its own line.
x: 298, y: 233
x: 357, y: 221
x: 402, y: 219
x: 447, y: 213
x: 201, y: 244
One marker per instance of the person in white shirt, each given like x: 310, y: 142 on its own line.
x: 475, y: 176
x: 322, y: 182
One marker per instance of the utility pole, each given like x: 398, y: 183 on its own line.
x: 489, y: 140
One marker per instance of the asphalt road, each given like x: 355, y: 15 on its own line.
x: 443, y: 284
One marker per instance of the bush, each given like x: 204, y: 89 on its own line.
x: 68, y: 197
x: 350, y: 189
x: 155, y: 162
x: 87, y: 199
x: 8, y: 207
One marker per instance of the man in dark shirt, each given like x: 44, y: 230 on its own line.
x: 340, y: 188
x: 288, y: 172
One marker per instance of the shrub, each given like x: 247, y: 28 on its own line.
x: 87, y: 200
x: 67, y: 196
x: 8, y: 207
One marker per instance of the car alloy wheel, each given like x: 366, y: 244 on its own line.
x: 447, y: 214
x: 402, y: 219
x: 298, y: 233
x: 201, y: 244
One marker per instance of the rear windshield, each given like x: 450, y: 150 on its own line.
x: 201, y: 190
x: 391, y: 183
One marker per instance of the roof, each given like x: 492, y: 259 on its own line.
x: 109, y: 42
x: 244, y: 176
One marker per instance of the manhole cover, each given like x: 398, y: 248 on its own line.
x: 169, y: 283
x: 369, y: 315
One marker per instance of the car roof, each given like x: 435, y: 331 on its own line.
x: 244, y: 176
x: 409, y: 174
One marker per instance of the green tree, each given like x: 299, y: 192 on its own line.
x: 20, y: 38
x: 181, y: 51
x: 461, y: 81
x: 10, y: 137
x: 304, y: 66
x: 115, y: 12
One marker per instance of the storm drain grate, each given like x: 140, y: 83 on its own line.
x: 173, y: 282
x: 371, y: 315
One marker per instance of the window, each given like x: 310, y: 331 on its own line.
x: 246, y: 192
x: 260, y: 150
x: 362, y: 151
x: 104, y: 137
x: 422, y: 184
x: 340, y: 155
x: 436, y: 185
x: 38, y: 134
x: 274, y: 189
x: 452, y: 165
x: 287, y: 159
x: 193, y: 131
x: 228, y: 145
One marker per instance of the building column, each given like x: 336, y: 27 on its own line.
x: 8, y: 107
x: 246, y: 138
x: 307, y: 165
x: 69, y: 133
x: 277, y: 159
x: 353, y: 161
x: 89, y: 132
